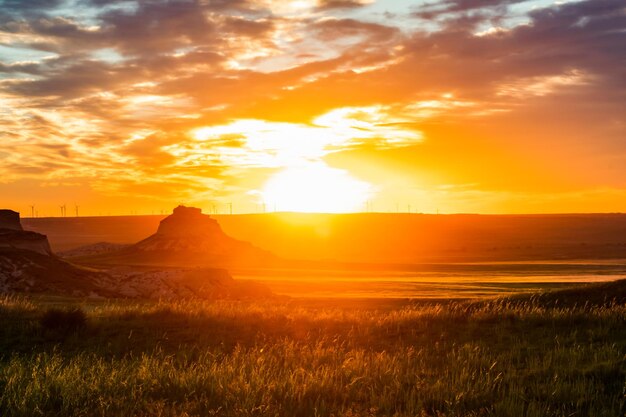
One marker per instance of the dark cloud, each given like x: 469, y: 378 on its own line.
x: 444, y: 8
x: 586, y: 36
x: 28, y: 6
x: 335, y: 29
x: 157, y: 27
x: 211, y: 4
x: 83, y: 77
x: 245, y: 27
x: 26, y: 68
x: 152, y: 27
x: 339, y: 4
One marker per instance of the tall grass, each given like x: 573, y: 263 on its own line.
x: 500, y: 358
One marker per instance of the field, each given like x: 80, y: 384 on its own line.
x: 435, y: 281
x: 557, y: 354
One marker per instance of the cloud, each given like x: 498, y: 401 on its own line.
x: 111, y: 93
x: 335, y: 29
x: 445, y: 8
x: 342, y: 4
x: 28, y: 7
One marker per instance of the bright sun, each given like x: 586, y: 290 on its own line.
x: 303, y: 182
x: 315, y: 187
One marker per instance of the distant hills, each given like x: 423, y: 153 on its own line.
x: 381, y: 237
x: 187, y: 238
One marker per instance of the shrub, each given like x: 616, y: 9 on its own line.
x: 68, y: 320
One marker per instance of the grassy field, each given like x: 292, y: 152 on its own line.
x: 559, y: 354
x: 433, y: 281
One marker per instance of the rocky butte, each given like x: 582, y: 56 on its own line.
x: 13, y: 236
x: 188, y: 237
x: 10, y: 219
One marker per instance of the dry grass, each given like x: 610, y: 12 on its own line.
x: 513, y: 357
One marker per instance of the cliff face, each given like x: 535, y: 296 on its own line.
x: 27, y: 264
x: 189, y: 222
x: 12, y: 236
x: 10, y: 219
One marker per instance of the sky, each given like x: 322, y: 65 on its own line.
x: 481, y: 106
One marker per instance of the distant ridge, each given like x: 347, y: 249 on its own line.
x: 188, y: 238
x: 387, y: 238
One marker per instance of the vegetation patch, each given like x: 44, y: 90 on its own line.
x: 72, y: 319
x: 506, y: 357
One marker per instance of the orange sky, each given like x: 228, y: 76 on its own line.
x: 488, y: 106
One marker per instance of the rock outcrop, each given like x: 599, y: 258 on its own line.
x: 189, y: 238
x: 184, y: 283
x: 188, y: 222
x: 13, y: 236
x: 24, y: 271
x: 10, y: 219
x: 28, y: 265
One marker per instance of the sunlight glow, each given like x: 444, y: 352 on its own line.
x: 303, y: 182
x: 258, y: 143
x: 315, y: 187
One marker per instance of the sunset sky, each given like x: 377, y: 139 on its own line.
x: 486, y: 106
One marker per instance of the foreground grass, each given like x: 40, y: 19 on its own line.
x: 511, y: 357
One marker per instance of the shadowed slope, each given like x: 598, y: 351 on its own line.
x: 27, y: 264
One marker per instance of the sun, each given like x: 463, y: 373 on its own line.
x: 315, y: 188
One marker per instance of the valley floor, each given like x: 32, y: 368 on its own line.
x: 562, y: 353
